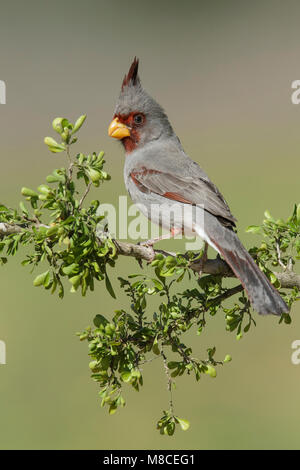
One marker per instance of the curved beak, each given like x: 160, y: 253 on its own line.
x: 118, y: 130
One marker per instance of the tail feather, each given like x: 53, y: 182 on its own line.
x: 263, y: 296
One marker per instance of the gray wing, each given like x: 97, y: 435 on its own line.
x: 185, y: 189
x: 165, y: 169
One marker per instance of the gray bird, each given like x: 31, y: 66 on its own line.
x: 174, y: 192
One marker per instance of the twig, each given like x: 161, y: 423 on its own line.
x: 279, y: 256
x: 85, y: 195
x: 169, y: 379
x: 226, y: 295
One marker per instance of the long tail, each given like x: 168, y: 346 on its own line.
x: 263, y: 296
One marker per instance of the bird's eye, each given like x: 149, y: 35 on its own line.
x: 138, y: 119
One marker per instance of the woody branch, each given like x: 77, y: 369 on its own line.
x: 288, y: 279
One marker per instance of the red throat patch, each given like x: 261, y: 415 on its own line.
x: 130, y: 143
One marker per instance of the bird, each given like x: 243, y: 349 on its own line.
x: 166, y: 184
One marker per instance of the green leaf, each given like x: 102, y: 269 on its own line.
x: 71, y: 269
x: 173, y: 365
x: 79, y: 123
x: 44, y: 189
x: 52, y: 230
x: 268, y: 216
x: 298, y: 213
x: 155, y: 347
x: 94, y: 175
x: 228, y: 358
x: 29, y: 193
x: 112, y: 409
x: 253, y: 229
x: 109, y: 287
x: 41, y: 279
x: 53, y: 146
x: 159, y: 286
x: 126, y: 376
x: 100, y: 320
x: 23, y: 209
x: 211, y: 371
x: 57, y: 125
x: 75, y: 281
x: 184, y: 423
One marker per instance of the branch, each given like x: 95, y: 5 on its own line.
x: 288, y: 279
x: 217, y: 266
x: 8, y: 229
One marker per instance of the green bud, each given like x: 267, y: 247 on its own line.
x: 93, y: 365
x: 94, y: 175
x: 211, y: 371
x: 109, y: 328
x: 80, y: 158
x: 184, y: 423
x: 43, y: 188
x: 29, y: 193
x: 54, y: 147
x: 65, y: 134
x: 228, y: 358
x: 57, y: 125
x: 79, y: 123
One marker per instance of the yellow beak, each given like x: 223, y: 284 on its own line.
x: 118, y: 130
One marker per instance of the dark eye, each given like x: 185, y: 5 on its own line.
x: 138, y: 119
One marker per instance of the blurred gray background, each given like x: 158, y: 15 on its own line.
x: 223, y: 71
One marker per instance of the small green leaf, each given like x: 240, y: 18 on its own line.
x: 94, y: 175
x: 75, y: 281
x: 211, y: 371
x: 54, y: 147
x: 100, y: 320
x: 79, y: 123
x: 298, y: 213
x: 29, y: 193
x: 268, y: 216
x: 184, y: 423
x: 253, y: 229
x: 41, y: 279
x: 23, y: 209
x: 57, y: 125
x: 155, y: 347
x: 126, y: 376
x: 112, y: 409
x: 227, y: 358
x: 109, y: 287
x: 93, y: 365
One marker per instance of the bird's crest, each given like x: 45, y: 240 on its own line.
x: 132, y: 77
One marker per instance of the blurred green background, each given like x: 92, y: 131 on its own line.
x: 223, y: 71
